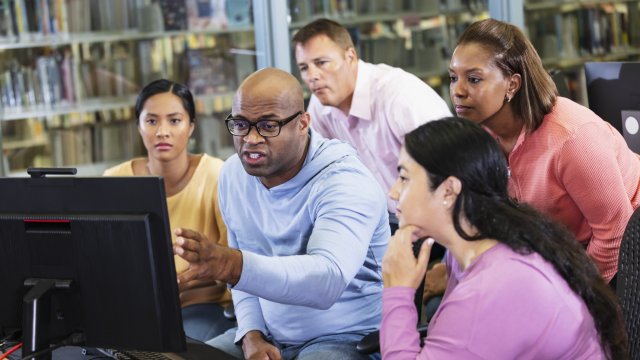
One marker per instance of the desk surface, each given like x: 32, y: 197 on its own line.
x: 195, y: 351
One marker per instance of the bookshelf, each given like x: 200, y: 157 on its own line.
x: 416, y: 35
x: 569, y: 33
x: 70, y: 71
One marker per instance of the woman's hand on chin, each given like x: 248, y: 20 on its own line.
x: 400, y: 267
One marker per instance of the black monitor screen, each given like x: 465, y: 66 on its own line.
x: 101, y: 250
x: 613, y: 87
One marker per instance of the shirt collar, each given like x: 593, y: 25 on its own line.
x: 519, y: 141
x: 361, y: 102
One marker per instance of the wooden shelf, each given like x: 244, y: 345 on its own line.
x: 566, y: 6
x: 578, y: 61
x: 109, y: 36
x: 89, y: 105
x: 350, y: 20
x: 9, y: 144
x: 211, y: 102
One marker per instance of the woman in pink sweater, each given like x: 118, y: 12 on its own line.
x: 520, y: 286
x: 564, y: 160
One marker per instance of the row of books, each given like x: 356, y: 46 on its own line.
x: 21, y: 131
x: 72, y: 139
x: 303, y: 10
x: 22, y: 86
x: 106, y: 137
x: 58, y: 79
x: 593, y: 30
x: 62, y: 77
x: 112, y: 142
x: 29, y: 20
x: 422, y: 48
x: 26, y: 20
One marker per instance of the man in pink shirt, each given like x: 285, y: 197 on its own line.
x: 369, y: 106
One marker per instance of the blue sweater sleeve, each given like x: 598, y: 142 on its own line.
x: 345, y: 208
x: 248, y: 313
x: 247, y: 307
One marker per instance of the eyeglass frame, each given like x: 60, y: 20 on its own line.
x: 280, y: 123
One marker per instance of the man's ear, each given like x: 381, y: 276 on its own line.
x: 351, y: 55
x: 305, y: 121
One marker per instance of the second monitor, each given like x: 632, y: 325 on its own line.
x: 613, y: 89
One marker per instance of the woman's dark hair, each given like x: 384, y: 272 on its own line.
x: 460, y: 148
x: 163, y: 86
x: 513, y: 53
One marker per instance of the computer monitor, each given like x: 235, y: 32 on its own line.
x: 613, y: 90
x: 89, y: 256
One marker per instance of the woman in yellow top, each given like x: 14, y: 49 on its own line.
x: 165, y: 112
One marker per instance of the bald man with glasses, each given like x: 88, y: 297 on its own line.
x: 307, y: 229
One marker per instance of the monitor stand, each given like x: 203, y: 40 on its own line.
x: 36, y: 315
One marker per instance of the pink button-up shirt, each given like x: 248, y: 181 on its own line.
x: 387, y: 103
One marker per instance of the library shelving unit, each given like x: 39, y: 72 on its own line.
x: 416, y: 35
x: 569, y: 33
x: 70, y: 71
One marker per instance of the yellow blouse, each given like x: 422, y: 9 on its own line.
x: 194, y: 207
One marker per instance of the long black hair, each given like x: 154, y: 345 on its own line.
x: 460, y: 148
x: 163, y: 86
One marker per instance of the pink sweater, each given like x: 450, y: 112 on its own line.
x: 503, y: 306
x: 578, y: 169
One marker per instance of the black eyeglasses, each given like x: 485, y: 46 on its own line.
x: 266, y: 128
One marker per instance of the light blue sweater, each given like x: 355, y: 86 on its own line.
x: 312, y: 247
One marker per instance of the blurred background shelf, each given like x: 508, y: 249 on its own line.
x: 55, y: 40
x: 70, y: 70
x: 568, y: 34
